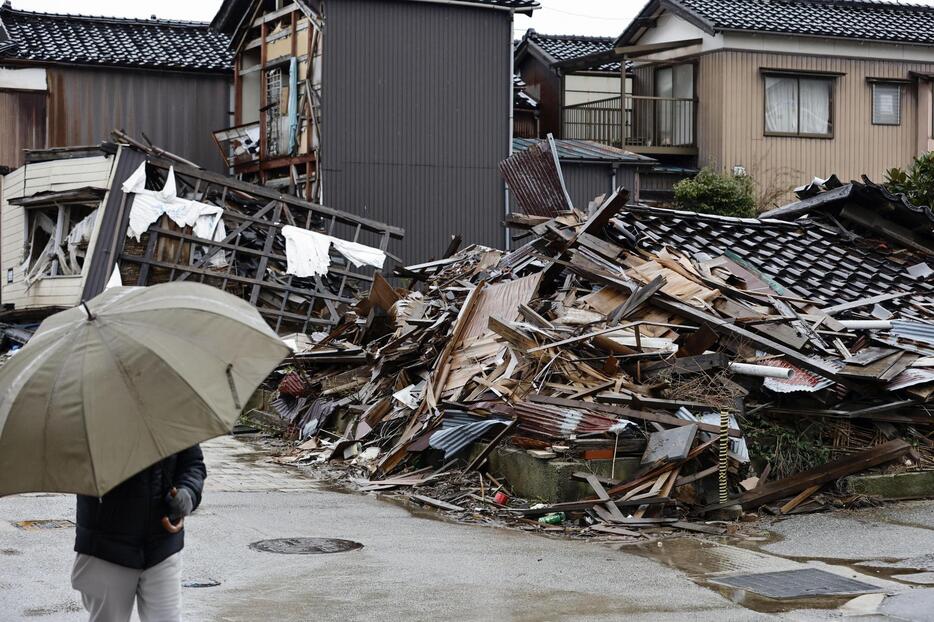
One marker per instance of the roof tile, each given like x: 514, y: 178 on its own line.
x: 114, y: 42
x: 873, y: 20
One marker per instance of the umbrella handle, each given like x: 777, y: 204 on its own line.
x: 167, y: 524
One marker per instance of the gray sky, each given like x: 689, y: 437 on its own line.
x: 580, y: 17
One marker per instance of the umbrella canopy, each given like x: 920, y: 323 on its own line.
x: 137, y: 374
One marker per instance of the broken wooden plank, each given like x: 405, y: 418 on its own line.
x: 688, y: 364
x: 824, y: 474
x: 437, y: 503
x: 802, y: 496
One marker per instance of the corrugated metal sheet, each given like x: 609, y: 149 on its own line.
x: 586, y: 151
x: 916, y: 331
x: 556, y: 422
x: 22, y: 124
x: 586, y: 181
x: 535, y: 181
x: 459, y: 430
x: 416, y: 118
x: 177, y: 111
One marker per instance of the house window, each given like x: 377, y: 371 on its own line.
x: 57, y: 238
x: 674, y: 110
x: 886, y: 103
x: 798, y: 106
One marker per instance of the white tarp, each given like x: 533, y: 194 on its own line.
x: 205, y: 220
x: 308, y: 252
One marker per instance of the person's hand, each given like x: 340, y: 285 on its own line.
x: 181, y: 504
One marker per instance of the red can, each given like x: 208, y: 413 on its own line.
x: 501, y: 498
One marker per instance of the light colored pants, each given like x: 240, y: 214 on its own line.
x: 109, y: 590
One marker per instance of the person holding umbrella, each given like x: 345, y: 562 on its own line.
x: 109, y: 401
x: 128, y: 547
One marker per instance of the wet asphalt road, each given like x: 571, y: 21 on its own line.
x: 417, y: 568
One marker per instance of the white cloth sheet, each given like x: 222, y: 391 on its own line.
x: 205, y: 220
x: 308, y: 252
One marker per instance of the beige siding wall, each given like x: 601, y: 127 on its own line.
x: 28, y: 180
x: 731, y: 121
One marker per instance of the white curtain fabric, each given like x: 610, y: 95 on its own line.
x: 815, y: 105
x: 781, y: 104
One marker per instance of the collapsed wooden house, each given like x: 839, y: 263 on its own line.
x: 77, y: 220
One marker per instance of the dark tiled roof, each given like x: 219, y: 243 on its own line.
x: 585, y: 151
x: 521, y: 99
x: 113, y: 42
x: 852, y: 19
x: 807, y: 259
x: 830, y: 195
x: 568, y: 47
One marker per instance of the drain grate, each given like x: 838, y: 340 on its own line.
x: 797, y: 584
x: 306, y: 546
x: 36, y: 525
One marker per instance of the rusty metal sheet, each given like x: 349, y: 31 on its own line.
x: 535, y: 180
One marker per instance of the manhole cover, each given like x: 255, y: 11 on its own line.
x: 35, y: 525
x: 306, y: 546
x: 797, y: 584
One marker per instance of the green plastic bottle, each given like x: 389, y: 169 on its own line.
x: 552, y: 519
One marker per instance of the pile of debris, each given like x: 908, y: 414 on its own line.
x: 659, y: 358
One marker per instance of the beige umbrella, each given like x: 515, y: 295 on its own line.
x: 137, y: 374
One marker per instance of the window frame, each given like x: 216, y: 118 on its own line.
x: 872, y: 101
x: 798, y: 76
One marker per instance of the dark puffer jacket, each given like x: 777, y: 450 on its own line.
x: 125, y: 526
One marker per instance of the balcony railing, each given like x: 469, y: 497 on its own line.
x: 636, y: 122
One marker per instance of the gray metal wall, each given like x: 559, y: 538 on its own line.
x: 587, y: 181
x: 416, y: 105
x: 177, y: 111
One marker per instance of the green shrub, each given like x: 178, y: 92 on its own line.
x: 717, y: 193
x: 917, y: 183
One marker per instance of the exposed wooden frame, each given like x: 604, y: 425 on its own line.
x: 254, y: 250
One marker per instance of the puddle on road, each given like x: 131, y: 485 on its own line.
x: 703, y: 560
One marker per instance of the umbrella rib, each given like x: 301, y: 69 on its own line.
x: 203, y: 401
x: 130, y: 386
x: 48, y: 406
x: 87, y: 434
